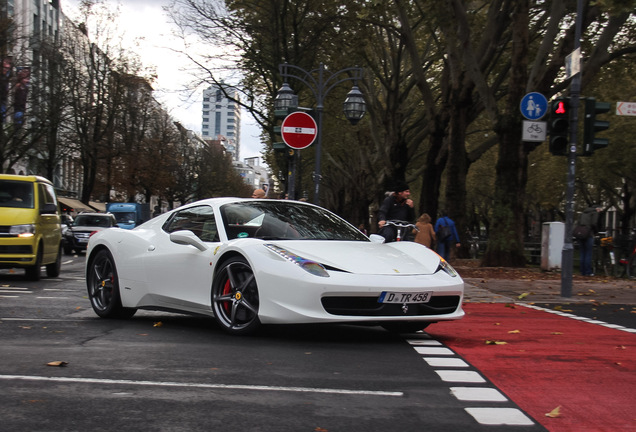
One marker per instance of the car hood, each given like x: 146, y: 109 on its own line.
x: 16, y: 216
x: 87, y: 228
x: 406, y: 258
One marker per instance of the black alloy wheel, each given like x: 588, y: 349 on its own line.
x: 103, y: 287
x: 235, y: 297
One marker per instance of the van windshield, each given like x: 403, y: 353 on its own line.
x: 15, y: 193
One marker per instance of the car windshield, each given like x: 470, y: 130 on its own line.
x: 16, y: 194
x: 125, y: 217
x: 94, y: 221
x: 285, y: 220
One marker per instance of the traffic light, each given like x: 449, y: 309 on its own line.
x: 558, y: 126
x: 591, y: 126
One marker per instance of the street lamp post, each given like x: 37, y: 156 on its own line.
x: 320, y: 81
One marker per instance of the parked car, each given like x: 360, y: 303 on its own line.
x: 30, y: 231
x: 249, y: 262
x: 84, y: 225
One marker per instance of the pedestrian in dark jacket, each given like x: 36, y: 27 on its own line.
x: 588, y: 223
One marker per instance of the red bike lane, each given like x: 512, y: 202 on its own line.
x: 582, y: 374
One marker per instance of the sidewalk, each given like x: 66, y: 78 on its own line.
x: 531, y: 285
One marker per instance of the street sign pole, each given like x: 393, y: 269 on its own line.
x: 567, y: 255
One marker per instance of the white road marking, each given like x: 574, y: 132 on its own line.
x: 460, y: 376
x: 481, y: 394
x: 201, y: 385
x: 445, y: 362
x: 500, y: 416
x: 579, y: 318
x: 433, y: 351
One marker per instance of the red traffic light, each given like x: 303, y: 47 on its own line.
x: 560, y: 109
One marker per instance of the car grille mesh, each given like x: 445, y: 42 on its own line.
x: 369, y: 306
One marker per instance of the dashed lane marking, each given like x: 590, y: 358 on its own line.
x: 438, y: 356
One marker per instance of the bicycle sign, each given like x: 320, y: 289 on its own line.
x: 534, y: 131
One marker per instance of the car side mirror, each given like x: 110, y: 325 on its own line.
x: 186, y: 237
x: 376, y: 238
x: 48, y: 209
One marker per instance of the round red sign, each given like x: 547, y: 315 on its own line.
x: 299, y: 130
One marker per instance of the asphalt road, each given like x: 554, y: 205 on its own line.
x: 160, y: 371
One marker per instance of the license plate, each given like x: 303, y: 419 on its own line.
x: 82, y: 240
x: 401, y: 298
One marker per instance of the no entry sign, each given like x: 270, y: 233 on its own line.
x: 299, y: 130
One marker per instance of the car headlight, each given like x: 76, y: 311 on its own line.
x: 446, y: 267
x: 22, y: 230
x: 309, y: 266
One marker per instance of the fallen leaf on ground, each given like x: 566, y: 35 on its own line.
x: 157, y: 324
x: 57, y: 363
x: 556, y: 333
x: 514, y: 331
x: 493, y: 342
x: 524, y: 295
x: 554, y: 413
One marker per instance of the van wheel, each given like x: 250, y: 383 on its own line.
x: 53, y: 269
x: 33, y: 273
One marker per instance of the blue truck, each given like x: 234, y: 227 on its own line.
x: 129, y: 215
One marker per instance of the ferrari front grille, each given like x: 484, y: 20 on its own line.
x: 369, y: 306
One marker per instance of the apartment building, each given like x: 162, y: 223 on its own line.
x: 221, y: 119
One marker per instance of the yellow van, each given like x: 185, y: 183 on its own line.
x: 30, y: 231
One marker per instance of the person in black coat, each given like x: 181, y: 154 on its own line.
x: 397, y: 206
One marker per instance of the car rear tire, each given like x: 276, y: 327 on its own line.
x: 404, y: 327
x: 103, y: 287
x: 235, y: 298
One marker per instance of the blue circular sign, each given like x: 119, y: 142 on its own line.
x: 533, y: 106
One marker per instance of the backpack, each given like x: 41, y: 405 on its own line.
x: 443, y: 233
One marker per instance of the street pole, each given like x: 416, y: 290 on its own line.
x: 320, y: 87
x: 567, y: 255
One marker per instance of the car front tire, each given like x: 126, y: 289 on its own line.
x: 33, y: 273
x: 103, y: 287
x: 235, y: 298
x: 53, y: 269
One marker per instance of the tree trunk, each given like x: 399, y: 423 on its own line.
x: 505, y: 243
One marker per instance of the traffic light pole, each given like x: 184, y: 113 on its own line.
x: 567, y: 255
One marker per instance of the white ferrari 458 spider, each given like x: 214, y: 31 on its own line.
x: 248, y: 262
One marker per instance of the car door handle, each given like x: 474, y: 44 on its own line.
x: 151, y: 248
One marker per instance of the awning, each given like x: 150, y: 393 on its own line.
x: 98, y: 206
x: 74, y: 206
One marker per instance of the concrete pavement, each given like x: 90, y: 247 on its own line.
x: 546, y: 288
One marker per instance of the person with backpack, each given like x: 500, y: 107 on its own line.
x: 446, y: 234
x: 584, y: 232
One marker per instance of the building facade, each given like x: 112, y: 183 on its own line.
x: 221, y: 119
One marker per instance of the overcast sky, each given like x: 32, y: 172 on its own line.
x: 146, y: 19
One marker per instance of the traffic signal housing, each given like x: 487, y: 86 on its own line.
x: 558, y: 125
x: 592, y: 125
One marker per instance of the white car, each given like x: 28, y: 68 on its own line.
x: 248, y: 262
